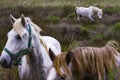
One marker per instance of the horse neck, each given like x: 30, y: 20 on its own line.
x: 35, y: 60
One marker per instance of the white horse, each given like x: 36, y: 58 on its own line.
x: 88, y: 12
x: 29, y: 50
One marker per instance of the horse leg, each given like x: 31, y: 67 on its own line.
x: 91, y: 18
x: 78, y: 18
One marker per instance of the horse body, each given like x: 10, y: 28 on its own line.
x: 36, y: 64
x: 87, y: 63
x: 24, y: 69
x: 88, y: 12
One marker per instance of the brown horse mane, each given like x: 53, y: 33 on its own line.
x: 88, y: 61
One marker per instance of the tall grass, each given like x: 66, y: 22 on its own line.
x: 27, y: 3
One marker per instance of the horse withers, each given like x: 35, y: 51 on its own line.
x: 27, y: 49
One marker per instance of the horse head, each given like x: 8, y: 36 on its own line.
x: 61, y: 63
x: 18, y: 43
x: 100, y: 13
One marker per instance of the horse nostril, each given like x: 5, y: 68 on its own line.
x: 3, y: 62
x: 63, y: 77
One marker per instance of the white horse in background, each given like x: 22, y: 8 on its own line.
x: 89, y: 12
x: 26, y: 48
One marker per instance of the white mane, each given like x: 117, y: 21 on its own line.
x: 19, y: 29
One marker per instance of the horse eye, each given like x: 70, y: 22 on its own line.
x: 18, y: 37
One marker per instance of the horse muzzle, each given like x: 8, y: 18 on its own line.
x: 4, y: 63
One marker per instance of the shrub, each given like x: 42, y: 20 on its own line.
x: 84, y: 32
x: 52, y: 19
x: 71, y: 15
x: 116, y: 27
x: 67, y: 10
x: 78, y: 32
x: 114, y: 32
x: 111, y: 9
x: 98, y: 39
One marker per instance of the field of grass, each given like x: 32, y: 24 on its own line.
x: 57, y: 19
x: 104, y: 3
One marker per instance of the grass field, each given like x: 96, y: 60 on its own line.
x: 57, y: 19
x: 33, y: 3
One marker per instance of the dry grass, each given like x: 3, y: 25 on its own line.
x: 103, y: 3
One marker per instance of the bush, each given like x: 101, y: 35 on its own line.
x: 114, y: 32
x: 116, y: 27
x: 99, y: 39
x: 67, y: 10
x: 78, y: 32
x: 52, y: 19
x: 71, y: 15
x: 84, y: 32
x: 111, y: 9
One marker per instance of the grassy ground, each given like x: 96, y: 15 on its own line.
x: 37, y: 3
x: 57, y: 19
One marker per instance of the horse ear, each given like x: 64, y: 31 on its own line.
x: 68, y: 57
x: 51, y: 54
x: 12, y: 19
x: 23, y: 20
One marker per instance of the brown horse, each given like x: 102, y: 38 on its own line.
x: 87, y: 63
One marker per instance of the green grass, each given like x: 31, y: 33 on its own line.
x: 100, y: 39
x: 116, y: 27
x: 111, y: 9
x: 52, y: 19
x: 71, y: 15
x: 112, y: 74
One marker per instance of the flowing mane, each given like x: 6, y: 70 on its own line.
x: 88, y: 62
